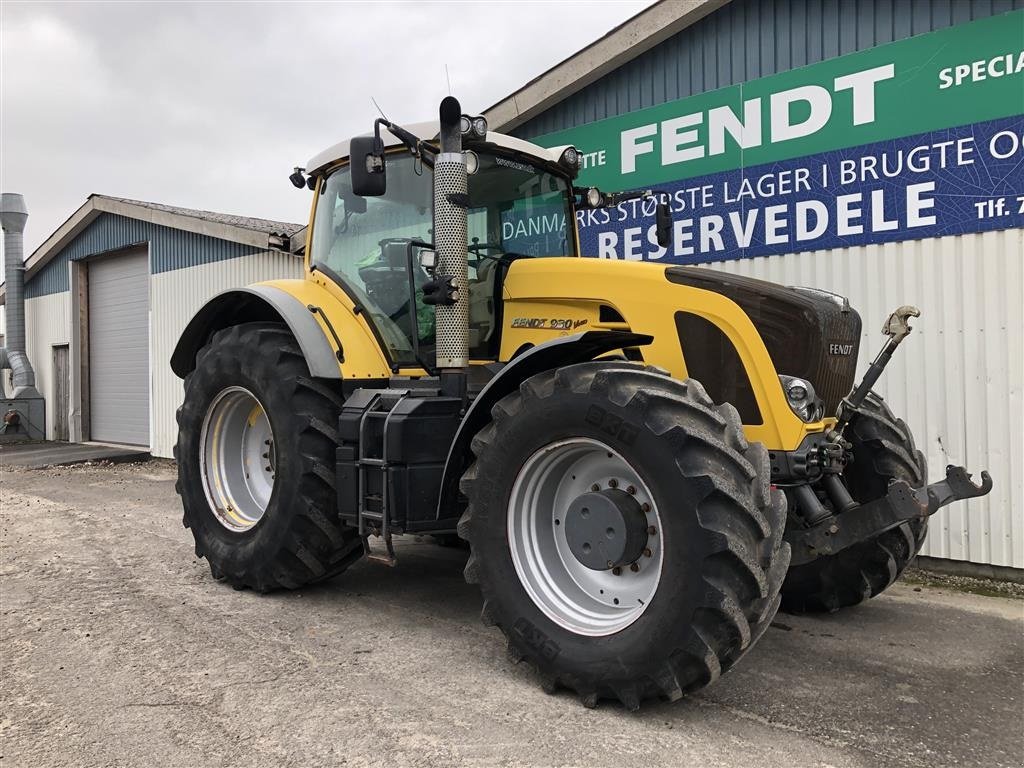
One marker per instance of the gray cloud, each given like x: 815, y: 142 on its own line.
x: 209, y: 105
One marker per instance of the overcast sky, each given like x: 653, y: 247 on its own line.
x: 210, y: 105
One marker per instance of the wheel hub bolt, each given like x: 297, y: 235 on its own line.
x: 634, y: 567
x: 647, y: 552
x: 595, y: 487
x: 613, y: 483
x: 652, y: 530
x: 268, y: 469
x: 645, y: 507
x: 616, y: 571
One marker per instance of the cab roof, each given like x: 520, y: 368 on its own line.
x: 428, y: 131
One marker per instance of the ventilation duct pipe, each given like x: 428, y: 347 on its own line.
x: 13, y: 215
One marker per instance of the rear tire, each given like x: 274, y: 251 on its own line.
x: 883, y: 450
x: 295, y: 538
x: 722, y: 555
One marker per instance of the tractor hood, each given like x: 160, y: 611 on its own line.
x: 809, y: 333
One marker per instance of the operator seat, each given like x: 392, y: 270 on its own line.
x: 481, y: 303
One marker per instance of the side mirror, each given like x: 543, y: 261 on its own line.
x: 366, y: 160
x: 663, y: 224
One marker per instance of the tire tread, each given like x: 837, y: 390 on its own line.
x: 741, y: 518
x: 316, y: 546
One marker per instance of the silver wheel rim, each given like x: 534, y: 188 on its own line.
x: 238, y: 461
x: 584, y: 601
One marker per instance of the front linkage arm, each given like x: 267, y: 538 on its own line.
x: 897, y: 328
x: 901, y: 504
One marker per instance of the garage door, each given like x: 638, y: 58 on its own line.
x: 119, y: 348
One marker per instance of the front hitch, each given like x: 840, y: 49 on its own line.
x: 848, y: 523
x: 901, y: 504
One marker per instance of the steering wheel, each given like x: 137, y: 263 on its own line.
x: 476, y: 247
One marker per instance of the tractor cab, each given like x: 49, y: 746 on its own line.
x: 379, y: 248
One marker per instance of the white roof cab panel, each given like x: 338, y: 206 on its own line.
x: 429, y: 131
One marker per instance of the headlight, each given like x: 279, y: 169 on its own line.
x: 473, y: 126
x: 801, y: 398
x: 594, y: 197
x: 472, y: 161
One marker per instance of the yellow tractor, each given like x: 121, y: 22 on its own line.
x: 644, y: 460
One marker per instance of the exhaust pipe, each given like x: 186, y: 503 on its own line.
x: 450, y: 213
x: 13, y: 215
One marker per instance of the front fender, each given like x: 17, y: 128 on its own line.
x: 565, y: 350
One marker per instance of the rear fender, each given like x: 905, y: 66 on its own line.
x: 565, y: 350
x: 304, y: 308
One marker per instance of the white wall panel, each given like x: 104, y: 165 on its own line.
x: 958, y: 379
x: 176, y: 296
x: 47, y: 323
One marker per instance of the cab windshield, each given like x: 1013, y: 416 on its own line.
x: 370, y: 244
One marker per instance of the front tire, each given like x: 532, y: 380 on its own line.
x: 883, y: 451
x: 715, y: 532
x: 255, y: 452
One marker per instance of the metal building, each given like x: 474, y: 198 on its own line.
x: 905, y: 122
x: 109, y: 293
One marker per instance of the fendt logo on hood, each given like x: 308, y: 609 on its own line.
x: 840, y: 349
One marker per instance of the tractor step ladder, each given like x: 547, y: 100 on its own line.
x: 374, y: 508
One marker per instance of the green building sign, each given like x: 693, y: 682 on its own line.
x: 918, y: 138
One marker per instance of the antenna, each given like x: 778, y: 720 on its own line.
x: 448, y: 77
x: 378, y: 108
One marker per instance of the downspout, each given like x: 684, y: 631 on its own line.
x: 13, y: 215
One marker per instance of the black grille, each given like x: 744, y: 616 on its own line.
x: 807, y: 333
x: 713, y: 361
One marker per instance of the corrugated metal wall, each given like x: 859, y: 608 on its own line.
x: 47, y: 323
x: 169, y: 249
x: 175, y: 297
x: 957, y: 380
x: 748, y: 39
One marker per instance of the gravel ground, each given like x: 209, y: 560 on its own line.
x: 948, y: 581
x: 118, y: 649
